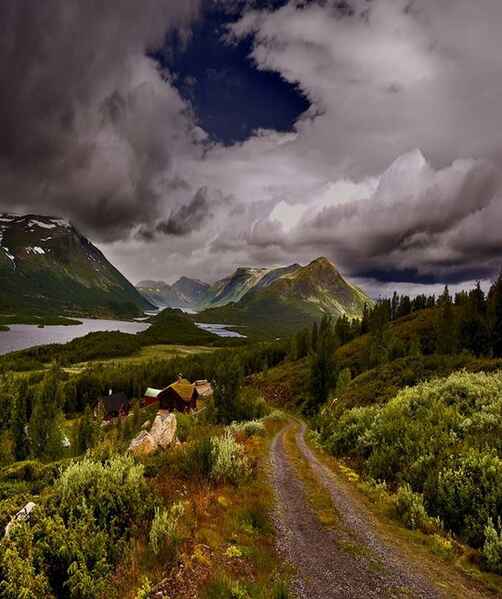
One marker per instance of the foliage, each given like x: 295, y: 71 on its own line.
x: 249, y: 428
x: 75, y: 537
x: 230, y: 463
x: 411, y: 510
x: 491, y: 553
x: 441, y: 439
x: 164, y: 527
x: 227, y: 391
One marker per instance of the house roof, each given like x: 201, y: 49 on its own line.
x: 151, y: 392
x: 114, y: 402
x: 184, y: 389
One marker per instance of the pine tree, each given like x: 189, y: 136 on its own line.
x: 46, y: 419
x: 343, y: 381
x: 227, y: 391
x: 315, y: 336
x: 321, y: 370
x: 20, y: 421
x: 88, y: 432
x: 446, y: 326
x: 496, y: 316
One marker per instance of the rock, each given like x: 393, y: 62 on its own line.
x: 21, y: 516
x: 164, y: 429
x: 161, y: 436
x: 146, y: 425
x: 143, y: 444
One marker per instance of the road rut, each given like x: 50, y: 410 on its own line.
x: 349, y: 561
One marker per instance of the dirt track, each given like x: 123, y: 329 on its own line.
x: 347, y: 561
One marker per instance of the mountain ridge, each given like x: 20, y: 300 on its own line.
x: 292, y: 300
x: 47, y: 265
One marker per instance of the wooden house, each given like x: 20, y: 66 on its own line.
x: 151, y: 396
x: 113, y: 405
x: 181, y: 396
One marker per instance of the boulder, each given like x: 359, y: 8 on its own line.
x: 161, y: 436
x: 164, y: 429
x: 143, y: 444
x: 22, y: 515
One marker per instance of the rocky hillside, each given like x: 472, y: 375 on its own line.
x: 47, y: 266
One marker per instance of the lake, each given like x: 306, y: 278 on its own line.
x: 219, y: 329
x: 22, y: 336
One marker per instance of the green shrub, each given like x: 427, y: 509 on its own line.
x: 251, y: 405
x: 230, y: 463
x: 75, y: 538
x: 468, y: 493
x: 19, y: 576
x: 115, y: 491
x: 443, y: 438
x: 164, y: 527
x: 197, y: 460
x: 347, y: 435
x: 184, y: 426
x: 411, y: 510
x: 219, y: 459
x: 491, y: 553
x: 250, y: 428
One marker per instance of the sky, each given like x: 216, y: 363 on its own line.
x: 189, y: 137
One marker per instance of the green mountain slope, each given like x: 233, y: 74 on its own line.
x: 47, y: 266
x: 292, y: 301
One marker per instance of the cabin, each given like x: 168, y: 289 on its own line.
x: 151, y: 396
x: 204, y: 389
x: 181, y: 396
x: 114, y: 405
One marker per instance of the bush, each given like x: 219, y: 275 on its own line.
x: 115, y: 491
x: 219, y: 459
x: 73, y: 541
x: 230, y: 464
x: 347, y: 435
x: 251, y: 405
x: 249, y: 428
x: 443, y: 438
x: 468, y: 493
x: 411, y: 511
x: 197, y: 460
x: 184, y: 426
x: 491, y: 553
x: 164, y: 527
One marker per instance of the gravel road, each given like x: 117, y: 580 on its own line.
x: 347, y: 561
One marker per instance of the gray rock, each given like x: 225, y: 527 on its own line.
x: 21, y: 516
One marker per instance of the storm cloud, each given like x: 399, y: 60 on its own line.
x: 90, y: 126
x: 394, y: 172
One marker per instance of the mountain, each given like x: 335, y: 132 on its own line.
x: 185, y: 293
x: 197, y: 295
x: 292, y: 300
x: 47, y: 266
x: 243, y: 280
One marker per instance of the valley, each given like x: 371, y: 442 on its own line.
x: 316, y: 423
x: 309, y: 437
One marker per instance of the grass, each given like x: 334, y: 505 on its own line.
x: 150, y: 352
x: 227, y: 542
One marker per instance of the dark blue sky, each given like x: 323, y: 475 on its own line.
x: 229, y: 96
